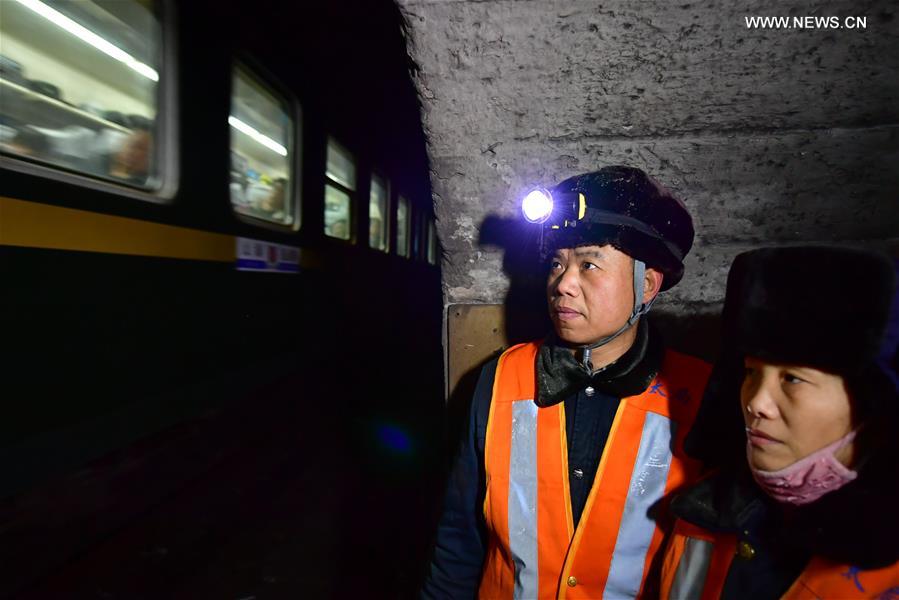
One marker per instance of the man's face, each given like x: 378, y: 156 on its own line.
x: 135, y: 155
x: 590, y: 290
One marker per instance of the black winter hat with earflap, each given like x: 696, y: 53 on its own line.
x: 826, y: 308
x: 817, y: 306
x: 624, y: 207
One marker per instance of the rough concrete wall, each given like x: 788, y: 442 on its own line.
x: 770, y: 136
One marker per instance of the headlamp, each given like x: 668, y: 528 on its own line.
x: 540, y: 204
x: 537, y: 206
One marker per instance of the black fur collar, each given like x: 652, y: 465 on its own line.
x: 857, y: 524
x: 559, y: 374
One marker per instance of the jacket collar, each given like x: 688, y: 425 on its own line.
x: 560, y: 375
x: 724, y: 502
x: 856, y: 524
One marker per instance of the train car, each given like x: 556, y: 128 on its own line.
x: 221, y: 307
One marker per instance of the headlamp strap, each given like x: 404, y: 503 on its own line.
x: 598, y: 216
x: 639, y: 310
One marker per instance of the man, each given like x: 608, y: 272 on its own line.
x: 132, y: 162
x: 575, y: 443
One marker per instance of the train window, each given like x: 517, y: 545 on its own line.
x: 261, y: 136
x: 417, y: 235
x: 340, y: 186
x: 377, y: 213
x: 79, y: 87
x: 402, y: 227
x: 432, y: 242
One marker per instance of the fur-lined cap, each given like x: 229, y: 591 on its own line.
x: 819, y: 306
x: 629, y: 210
x: 822, y: 307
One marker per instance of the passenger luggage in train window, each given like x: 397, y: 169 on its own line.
x: 340, y: 187
x: 377, y: 210
x: 261, y: 151
x: 402, y: 227
x: 79, y: 83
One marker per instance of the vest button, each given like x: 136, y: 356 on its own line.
x: 589, y: 391
x: 572, y: 581
x: 745, y: 550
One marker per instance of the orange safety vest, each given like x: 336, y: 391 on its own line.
x: 697, y: 561
x: 533, y: 550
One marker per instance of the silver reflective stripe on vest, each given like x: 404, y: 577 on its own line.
x: 523, y: 498
x: 647, y: 485
x: 689, y: 580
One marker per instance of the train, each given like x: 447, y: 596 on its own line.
x: 222, y: 306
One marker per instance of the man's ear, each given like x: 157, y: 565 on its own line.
x: 652, y: 284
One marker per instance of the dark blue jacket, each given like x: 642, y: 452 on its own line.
x: 460, y: 548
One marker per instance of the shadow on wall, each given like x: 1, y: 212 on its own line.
x: 526, y: 316
x: 524, y: 312
x: 696, y: 333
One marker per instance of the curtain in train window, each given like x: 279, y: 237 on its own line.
x: 261, y: 151
x: 377, y: 214
x: 340, y: 187
x: 402, y: 227
x: 79, y: 87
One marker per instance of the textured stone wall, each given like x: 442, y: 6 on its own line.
x: 769, y: 136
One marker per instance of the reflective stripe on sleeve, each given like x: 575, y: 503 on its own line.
x: 689, y: 580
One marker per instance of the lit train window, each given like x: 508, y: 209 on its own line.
x: 79, y: 87
x: 340, y: 186
x: 432, y: 242
x: 402, y: 227
x: 261, y: 151
x: 377, y: 213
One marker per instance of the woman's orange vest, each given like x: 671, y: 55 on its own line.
x: 533, y: 550
x: 697, y: 561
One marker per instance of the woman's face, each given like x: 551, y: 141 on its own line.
x: 792, y: 411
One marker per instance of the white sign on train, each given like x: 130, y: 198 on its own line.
x: 258, y: 255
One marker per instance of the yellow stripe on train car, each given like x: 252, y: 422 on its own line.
x: 36, y: 225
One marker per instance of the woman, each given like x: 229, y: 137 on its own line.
x: 801, y: 419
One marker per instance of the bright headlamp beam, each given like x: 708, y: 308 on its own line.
x: 537, y: 206
x: 256, y: 136
x: 88, y: 36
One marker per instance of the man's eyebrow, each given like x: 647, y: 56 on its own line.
x: 594, y: 253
